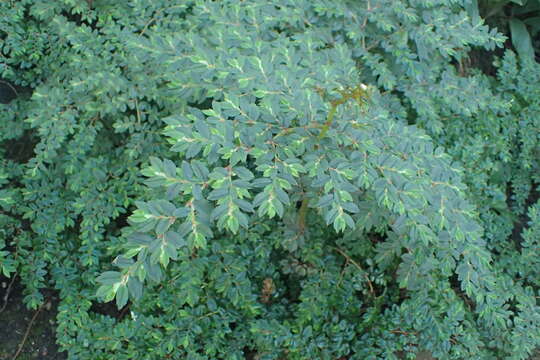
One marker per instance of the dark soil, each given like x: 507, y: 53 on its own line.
x: 16, y: 319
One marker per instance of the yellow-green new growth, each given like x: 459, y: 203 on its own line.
x: 360, y: 94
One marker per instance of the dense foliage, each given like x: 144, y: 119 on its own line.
x: 271, y: 180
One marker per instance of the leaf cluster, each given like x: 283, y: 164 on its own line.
x: 287, y: 179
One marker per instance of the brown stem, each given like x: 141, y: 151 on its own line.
x: 28, y: 331
x: 6, y: 297
x: 349, y: 259
x: 328, y: 123
x: 302, y: 215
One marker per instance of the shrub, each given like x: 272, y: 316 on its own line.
x: 284, y: 170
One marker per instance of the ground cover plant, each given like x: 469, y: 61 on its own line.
x: 271, y: 180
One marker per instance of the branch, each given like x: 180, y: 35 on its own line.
x: 349, y: 259
x: 10, y: 86
x: 28, y: 330
x: 7, y: 292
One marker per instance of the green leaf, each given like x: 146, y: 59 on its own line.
x: 109, y: 277
x: 135, y: 287
x: 521, y: 39
x: 121, y: 296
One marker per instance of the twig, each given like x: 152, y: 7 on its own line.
x: 123, y: 312
x: 402, y: 332
x: 7, y: 292
x: 349, y: 259
x: 138, y: 112
x: 28, y: 330
x: 159, y: 11
x: 11, y: 86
